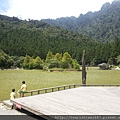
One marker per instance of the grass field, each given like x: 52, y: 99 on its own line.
x: 36, y: 79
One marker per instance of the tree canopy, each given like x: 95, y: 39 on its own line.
x: 102, y: 25
x: 62, y: 45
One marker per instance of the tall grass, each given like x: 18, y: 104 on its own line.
x: 36, y: 79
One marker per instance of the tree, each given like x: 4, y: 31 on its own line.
x: 31, y: 64
x: 110, y: 61
x: 5, y: 60
x: 18, y: 61
x: 27, y: 61
x: 75, y: 64
x: 49, y: 56
x: 118, y: 59
x: 38, y: 63
x: 54, y: 63
x: 66, y: 60
x: 58, y: 56
x: 67, y: 57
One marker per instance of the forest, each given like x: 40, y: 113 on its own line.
x: 102, y: 25
x: 35, y: 40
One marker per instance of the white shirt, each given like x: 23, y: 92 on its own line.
x: 12, y: 96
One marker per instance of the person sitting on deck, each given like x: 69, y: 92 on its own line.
x: 22, y: 89
x: 12, y: 95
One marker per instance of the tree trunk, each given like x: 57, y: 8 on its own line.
x: 83, y: 69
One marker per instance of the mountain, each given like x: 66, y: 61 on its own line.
x: 103, y: 25
x: 35, y: 38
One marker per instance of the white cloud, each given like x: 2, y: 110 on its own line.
x: 43, y: 9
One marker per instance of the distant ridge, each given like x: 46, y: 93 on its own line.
x: 103, y: 25
x: 98, y: 33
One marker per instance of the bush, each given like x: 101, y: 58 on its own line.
x: 54, y: 63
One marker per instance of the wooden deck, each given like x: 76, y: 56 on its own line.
x: 75, y: 101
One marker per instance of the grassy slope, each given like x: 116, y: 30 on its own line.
x: 36, y: 79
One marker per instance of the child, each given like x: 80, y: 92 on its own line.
x: 12, y: 95
x: 22, y: 89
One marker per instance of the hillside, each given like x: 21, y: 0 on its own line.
x: 103, y: 25
x: 21, y: 37
x: 36, y: 38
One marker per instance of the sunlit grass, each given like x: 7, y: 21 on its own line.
x: 96, y: 76
x: 36, y: 79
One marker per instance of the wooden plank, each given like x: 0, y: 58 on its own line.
x: 8, y: 103
x: 51, y: 88
x: 58, y: 88
x: 76, y: 101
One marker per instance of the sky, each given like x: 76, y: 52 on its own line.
x: 52, y: 9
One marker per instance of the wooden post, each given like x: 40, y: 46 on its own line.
x: 83, y: 69
x: 52, y: 89
x: 38, y: 91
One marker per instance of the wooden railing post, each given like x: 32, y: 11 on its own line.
x: 68, y: 86
x: 45, y: 90
x: 52, y: 89
x: 58, y: 88
x: 38, y: 91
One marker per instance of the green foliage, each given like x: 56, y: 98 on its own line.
x: 38, y: 63
x: 26, y: 62
x: 59, y: 61
x: 67, y: 57
x: 110, y: 61
x: 58, y: 56
x: 31, y: 63
x: 54, y: 63
x: 37, y: 38
x: 102, y: 25
x: 5, y: 60
x: 66, y: 60
x: 118, y: 59
x: 49, y: 56
x: 18, y: 61
x: 75, y: 64
x: 65, y: 64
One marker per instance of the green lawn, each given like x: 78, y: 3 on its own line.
x: 36, y: 79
